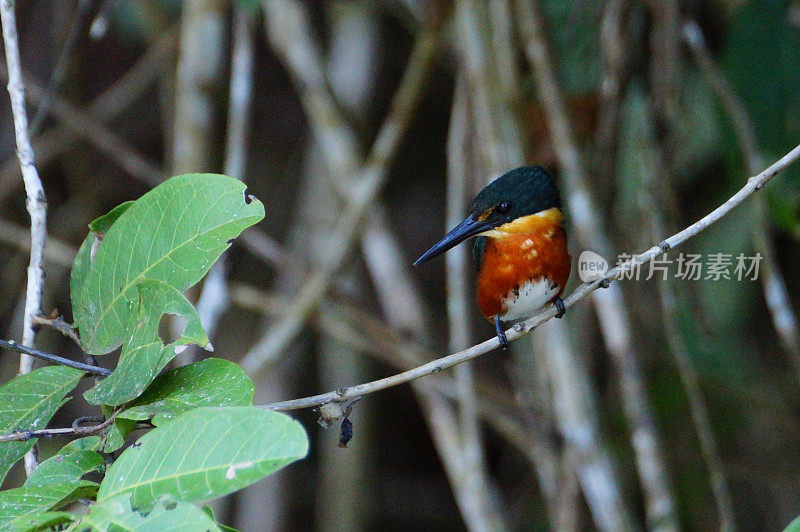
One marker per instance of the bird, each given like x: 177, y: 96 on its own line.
x: 521, y: 252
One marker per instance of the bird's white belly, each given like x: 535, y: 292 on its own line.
x: 533, y: 295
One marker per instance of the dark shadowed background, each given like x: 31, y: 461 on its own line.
x: 685, y: 413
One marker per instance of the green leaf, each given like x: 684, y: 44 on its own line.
x: 794, y: 526
x: 210, y: 513
x: 174, y: 233
x: 28, y: 402
x: 114, y: 438
x: 102, y: 224
x: 65, y: 467
x: 205, y: 453
x: 144, y: 355
x: 41, y: 521
x: 89, y: 443
x: 98, y: 227
x: 210, y: 382
x: 167, y: 515
x: 54, y: 483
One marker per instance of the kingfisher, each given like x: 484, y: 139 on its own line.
x: 521, y: 247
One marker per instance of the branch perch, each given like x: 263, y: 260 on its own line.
x: 754, y: 184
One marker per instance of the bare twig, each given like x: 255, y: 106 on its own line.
x: 373, y: 176
x: 362, y: 331
x: 30, y: 351
x: 754, y: 184
x: 36, y: 201
x: 58, y: 323
x: 75, y: 430
x: 775, y: 292
x: 611, y: 311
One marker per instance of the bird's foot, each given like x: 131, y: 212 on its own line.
x: 559, y: 303
x: 501, y: 335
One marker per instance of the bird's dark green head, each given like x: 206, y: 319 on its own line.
x: 515, y: 194
x: 520, y: 192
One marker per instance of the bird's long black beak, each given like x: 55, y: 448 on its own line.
x: 458, y: 234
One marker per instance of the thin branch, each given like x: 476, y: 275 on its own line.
x: 362, y: 331
x: 776, y: 293
x: 754, y: 184
x: 30, y: 351
x: 36, y: 201
x: 610, y: 307
x: 75, y: 430
x: 59, y: 324
x: 373, y: 176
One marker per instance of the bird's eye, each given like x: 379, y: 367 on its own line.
x: 504, y: 208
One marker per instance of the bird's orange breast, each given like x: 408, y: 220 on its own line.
x: 528, y: 249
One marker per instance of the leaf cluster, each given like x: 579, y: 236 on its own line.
x: 206, y: 439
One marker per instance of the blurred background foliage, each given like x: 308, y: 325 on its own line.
x: 391, y: 475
